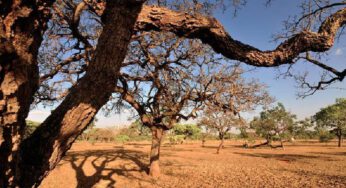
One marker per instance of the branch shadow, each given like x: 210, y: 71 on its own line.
x: 284, y: 157
x: 330, y: 153
x: 100, y: 162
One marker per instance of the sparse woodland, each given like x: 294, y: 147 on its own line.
x: 166, y: 60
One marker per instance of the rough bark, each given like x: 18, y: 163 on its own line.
x: 157, y: 134
x: 42, y: 151
x: 22, y: 24
x: 211, y: 32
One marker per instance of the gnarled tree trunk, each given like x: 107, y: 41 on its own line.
x: 42, y: 151
x: 157, y: 135
x: 22, y: 24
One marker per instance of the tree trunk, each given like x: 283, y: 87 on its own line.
x: 22, y: 24
x: 266, y: 143
x: 203, y: 142
x: 221, y: 144
x: 339, y: 138
x: 157, y: 134
x: 42, y: 151
x: 282, y: 143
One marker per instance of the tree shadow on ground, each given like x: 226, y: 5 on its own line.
x: 330, y: 153
x: 328, y: 179
x: 284, y: 157
x: 138, y: 144
x: 100, y: 162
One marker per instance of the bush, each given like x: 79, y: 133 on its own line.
x: 188, y: 131
x: 121, y: 138
x: 325, y: 136
x: 176, y: 139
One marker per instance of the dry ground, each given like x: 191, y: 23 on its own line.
x: 303, y: 164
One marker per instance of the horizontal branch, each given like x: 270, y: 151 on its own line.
x: 211, y: 32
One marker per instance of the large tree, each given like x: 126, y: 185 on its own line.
x: 333, y: 117
x: 166, y: 79
x: 25, y: 163
x: 24, y: 22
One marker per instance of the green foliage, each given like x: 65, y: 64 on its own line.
x: 303, y: 129
x: 138, y: 128
x: 243, y: 132
x: 136, y: 131
x: 121, y: 138
x: 176, y: 139
x: 229, y: 135
x: 187, y: 130
x: 30, y: 127
x: 324, y: 135
x: 333, y: 117
x: 275, y: 123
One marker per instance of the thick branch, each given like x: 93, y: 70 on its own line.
x: 211, y: 32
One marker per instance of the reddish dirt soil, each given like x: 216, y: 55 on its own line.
x: 303, y: 164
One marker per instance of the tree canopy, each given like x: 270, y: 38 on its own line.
x: 274, y: 123
x: 333, y: 117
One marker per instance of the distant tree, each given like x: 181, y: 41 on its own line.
x: 239, y: 96
x: 86, y: 135
x: 222, y: 122
x: 275, y: 123
x: 135, y: 132
x: 243, y: 132
x: 206, y: 132
x: 303, y: 129
x: 324, y: 135
x: 138, y: 127
x: 333, y: 117
x: 188, y: 130
x: 30, y: 127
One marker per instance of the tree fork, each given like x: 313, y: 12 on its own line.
x: 57, y: 133
x: 22, y: 24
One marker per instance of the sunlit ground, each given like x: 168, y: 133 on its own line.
x: 303, y: 164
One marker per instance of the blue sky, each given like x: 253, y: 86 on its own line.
x: 255, y: 24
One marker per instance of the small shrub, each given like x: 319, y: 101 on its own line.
x: 325, y: 136
x: 121, y: 138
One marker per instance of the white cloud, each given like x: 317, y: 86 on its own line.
x: 338, y: 51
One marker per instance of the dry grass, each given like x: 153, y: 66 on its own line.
x: 304, y: 164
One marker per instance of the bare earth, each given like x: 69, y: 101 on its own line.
x: 303, y: 164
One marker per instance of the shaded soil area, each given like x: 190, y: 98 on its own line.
x: 302, y: 164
